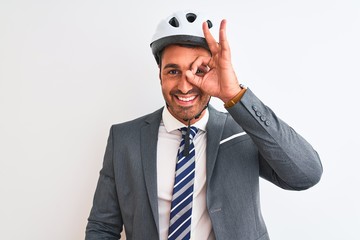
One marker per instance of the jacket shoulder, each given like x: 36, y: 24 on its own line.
x: 140, y: 121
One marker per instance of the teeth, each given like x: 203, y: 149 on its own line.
x: 187, y: 99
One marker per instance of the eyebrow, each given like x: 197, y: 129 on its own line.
x: 171, y: 65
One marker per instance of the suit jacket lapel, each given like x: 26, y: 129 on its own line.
x: 149, y: 136
x: 214, y: 129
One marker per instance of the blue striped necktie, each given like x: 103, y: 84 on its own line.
x: 181, y: 205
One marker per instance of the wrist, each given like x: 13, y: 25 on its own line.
x: 236, y: 98
x: 231, y: 93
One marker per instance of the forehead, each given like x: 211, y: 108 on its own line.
x: 182, y: 53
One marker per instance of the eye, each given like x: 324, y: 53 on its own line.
x: 173, y: 72
x: 201, y: 71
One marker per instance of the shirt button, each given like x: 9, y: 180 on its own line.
x: 263, y: 118
x: 255, y: 108
x: 258, y: 113
x: 267, y: 122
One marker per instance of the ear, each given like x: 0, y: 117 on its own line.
x: 160, y: 75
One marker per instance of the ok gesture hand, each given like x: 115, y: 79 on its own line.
x: 219, y: 79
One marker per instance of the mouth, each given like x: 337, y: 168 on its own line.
x: 185, y: 100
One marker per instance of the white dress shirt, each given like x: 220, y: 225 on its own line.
x: 168, y: 143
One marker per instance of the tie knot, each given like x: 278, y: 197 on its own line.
x: 192, y: 131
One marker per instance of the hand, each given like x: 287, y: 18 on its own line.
x: 219, y: 79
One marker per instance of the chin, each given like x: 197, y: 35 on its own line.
x: 188, y: 115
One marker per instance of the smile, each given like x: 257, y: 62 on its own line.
x: 186, y: 99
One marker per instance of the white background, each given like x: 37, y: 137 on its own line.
x: 70, y: 69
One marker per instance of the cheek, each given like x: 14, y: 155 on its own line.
x: 167, y: 86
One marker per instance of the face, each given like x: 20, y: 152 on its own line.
x: 184, y: 100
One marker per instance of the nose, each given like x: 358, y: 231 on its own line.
x: 184, y: 85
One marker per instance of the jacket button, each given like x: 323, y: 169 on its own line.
x: 263, y: 118
x: 267, y: 122
x: 255, y: 108
x: 258, y: 113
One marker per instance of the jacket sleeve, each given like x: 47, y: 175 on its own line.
x: 105, y: 221
x: 285, y: 158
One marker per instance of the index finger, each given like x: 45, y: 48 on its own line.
x: 213, y: 45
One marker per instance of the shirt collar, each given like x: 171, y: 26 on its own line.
x: 171, y: 123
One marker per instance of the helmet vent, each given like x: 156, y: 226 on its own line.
x: 209, y: 23
x: 191, y: 17
x: 174, y: 22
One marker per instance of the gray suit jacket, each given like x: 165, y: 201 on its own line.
x: 126, y: 194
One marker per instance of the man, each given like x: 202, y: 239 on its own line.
x: 215, y: 193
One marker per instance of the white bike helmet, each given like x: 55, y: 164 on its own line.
x: 182, y: 27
